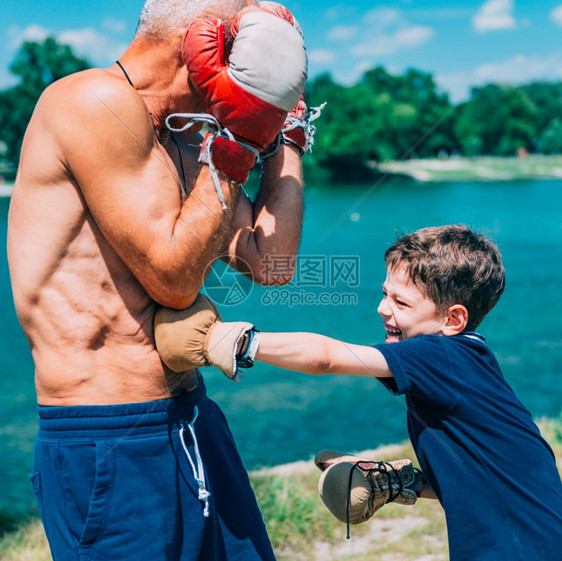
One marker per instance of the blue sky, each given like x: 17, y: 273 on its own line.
x: 461, y: 43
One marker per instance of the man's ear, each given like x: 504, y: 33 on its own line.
x: 456, y: 320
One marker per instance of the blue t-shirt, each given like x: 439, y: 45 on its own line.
x: 479, y: 449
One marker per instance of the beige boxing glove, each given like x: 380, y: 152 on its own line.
x: 197, y: 336
x: 353, y: 488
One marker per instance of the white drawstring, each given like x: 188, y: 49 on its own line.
x: 198, y: 471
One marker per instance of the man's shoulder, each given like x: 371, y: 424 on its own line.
x: 89, y: 92
x: 93, y: 105
x: 75, y: 83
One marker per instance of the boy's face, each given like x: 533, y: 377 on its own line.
x: 406, y: 311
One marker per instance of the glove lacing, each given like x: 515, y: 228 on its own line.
x: 305, y: 124
x: 383, y: 469
x: 216, y: 130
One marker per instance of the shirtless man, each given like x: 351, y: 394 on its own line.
x: 111, y: 216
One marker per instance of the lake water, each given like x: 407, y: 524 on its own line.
x: 279, y: 416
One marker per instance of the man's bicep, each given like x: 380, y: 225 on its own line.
x: 128, y: 182
x: 134, y: 198
x: 131, y: 190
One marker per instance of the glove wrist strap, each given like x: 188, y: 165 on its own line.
x: 419, y: 483
x: 245, y: 358
x: 297, y: 131
x: 300, y: 132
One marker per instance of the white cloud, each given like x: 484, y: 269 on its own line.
x: 493, y: 15
x: 7, y: 79
x: 342, y: 32
x: 33, y: 32
x: 352, y: 74
x: 385, y: 31
x: 92, y: 44
x: 446, y: 13
x: 556, y: 15
x: 114, y: 25
x: 519, y: 69
x: 406, y: 38
x: 337, y: 12
x: 321, y: 56
x: 99, y: 48
x: 413, y: 36
x: 382, y: 17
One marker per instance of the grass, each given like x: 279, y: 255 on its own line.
x: 293, y: 513
x: 22, y: 538
x: 300, y: 527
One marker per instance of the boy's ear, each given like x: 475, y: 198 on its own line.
x: 456, y: 320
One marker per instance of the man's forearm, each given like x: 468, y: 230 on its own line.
x: 279, y: 203
x: 198, y: 237
x: 272, y: 224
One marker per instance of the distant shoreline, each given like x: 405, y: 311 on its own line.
x: 455, y: 168
x: 6, y: 189
x: 480, y: 168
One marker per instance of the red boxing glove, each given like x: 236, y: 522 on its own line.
x: 297, y: 129
x: 282, y: 12
x: 251, y: 93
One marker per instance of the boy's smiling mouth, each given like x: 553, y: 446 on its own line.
x: 393, y: 335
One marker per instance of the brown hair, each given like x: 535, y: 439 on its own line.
x: 452, y: 265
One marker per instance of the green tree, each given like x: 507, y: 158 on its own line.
x: 421, y: 119
x: 37, y: 65
x: 498, y: 120
x: 345, y: 132
x: 550, y: 140
x: 547, y: 98
x: 383, y: 117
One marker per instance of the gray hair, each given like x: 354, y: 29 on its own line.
x: 159, y: 17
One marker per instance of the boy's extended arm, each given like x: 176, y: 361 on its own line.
x: 197, y: 336
x: 318, y: 354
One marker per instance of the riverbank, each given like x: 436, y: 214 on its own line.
x: 482, y: 168
x: 6, y: 189
x: 456, y: 168
x: 300, y: 527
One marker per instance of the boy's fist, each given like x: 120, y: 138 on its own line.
x: 197, y: 336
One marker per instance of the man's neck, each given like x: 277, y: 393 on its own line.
x: 158, y: 74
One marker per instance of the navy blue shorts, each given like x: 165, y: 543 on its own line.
x: 137, y: 482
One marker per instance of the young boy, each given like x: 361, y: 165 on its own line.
x: 479, y: 450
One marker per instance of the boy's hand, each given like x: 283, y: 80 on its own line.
x: 353, y: 489
x: 197, y: 336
